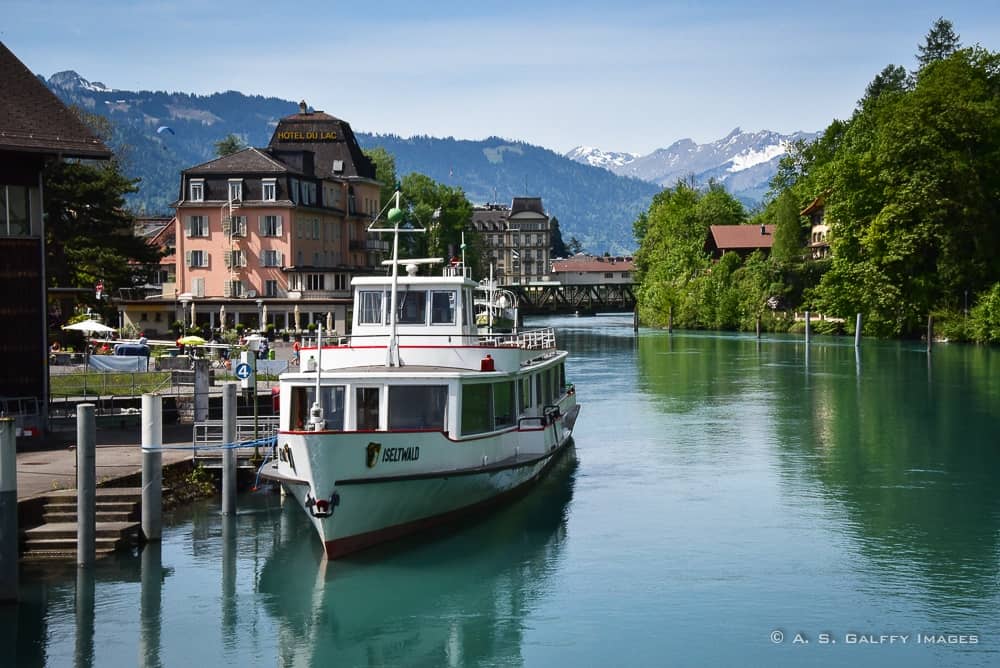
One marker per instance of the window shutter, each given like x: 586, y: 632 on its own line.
x: 227, y: 224
x: 243, y: 258
x: 279, y: 225
x: 204, y: 259
x: 187, y: 228
x: 281, y: 259
x: 229, y: 260
x: 227, y: 289
x: 187, y: 258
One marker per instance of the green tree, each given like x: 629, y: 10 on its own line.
x: 446, y: 214
x: 89, y: 233
x: 385, y: 172
x: 788, y: 229
x: 892, y: 79
x: 228, y: 145
x: 558, y: 246
x: 939, y: 43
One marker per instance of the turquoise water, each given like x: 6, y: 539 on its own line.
x: 728, y: 501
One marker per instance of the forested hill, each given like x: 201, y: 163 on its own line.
x: 592, y: 204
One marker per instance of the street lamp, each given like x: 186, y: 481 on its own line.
x: 184, y: 299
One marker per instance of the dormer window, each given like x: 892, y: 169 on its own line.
x: 235, y: 190
x: 196, y: 190
x: 270, y: 187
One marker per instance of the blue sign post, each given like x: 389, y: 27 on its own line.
x: 243, y: 371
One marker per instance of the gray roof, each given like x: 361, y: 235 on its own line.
x: 527, y: 204
x: 249, y: 160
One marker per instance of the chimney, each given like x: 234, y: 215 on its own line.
x: 762, y: 230
x: 302, y: 107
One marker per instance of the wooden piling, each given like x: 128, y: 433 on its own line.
x: 8, y: 511
x: 229, y: 453
x: 152, y: 467
x: 86, y: 485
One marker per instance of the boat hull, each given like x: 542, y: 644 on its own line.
x: 416, y: 481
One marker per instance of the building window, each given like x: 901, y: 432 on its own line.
x: 270, y: 226
x: 270, y: 188
x: 197, y: 258
x: 235, y: 258
x: 197, y: 226
x: 15, y: 211
x: 609, y: 274
x: 625, y: 274
x: 196, y: 190
x: 271, y: 288
x: 272, y: 258
x: 235, y: 190
x: 315, y: 282
x: 294, y: 187
x: 235, y: 226
x: 233, y: 289
x: 340, y: 282
x: 198, y: 287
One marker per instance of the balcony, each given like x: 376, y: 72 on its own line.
x: 369, y: 245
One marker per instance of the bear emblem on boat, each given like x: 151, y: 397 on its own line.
x: 372, y: 453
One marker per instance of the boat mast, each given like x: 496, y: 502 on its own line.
x: 392, y: 353
x: 316, y: 421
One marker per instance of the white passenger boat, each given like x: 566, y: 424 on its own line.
x: 416, y: 418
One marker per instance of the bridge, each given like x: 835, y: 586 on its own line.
x: 539, y: 298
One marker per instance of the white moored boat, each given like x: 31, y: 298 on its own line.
x: 419, y: 417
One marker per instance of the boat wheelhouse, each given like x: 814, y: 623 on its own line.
x: 416, y: 417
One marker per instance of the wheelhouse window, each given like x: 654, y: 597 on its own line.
x: 443, y: 307
x: 331, y: 400
x: 524, y: 396
x: 417, y: 406
x: 411, y: 307
x: 371, y: 307
x: 15, y: 211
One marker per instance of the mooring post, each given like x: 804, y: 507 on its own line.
x: 635, y: 319
x: 808, y: 333
x: 152, y: 467
x: 758, y: 327
x: 150, y: 604
x: 857, y: 332
x: 8, y: 510
x: 670, y: 320
x: 86, y: 485
x: 202, y: 378
x: 930, y: 332
x: 229, y: 452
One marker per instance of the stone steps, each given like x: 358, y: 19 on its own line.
x: 116, y: 527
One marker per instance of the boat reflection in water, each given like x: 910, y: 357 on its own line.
x: 456, y: 598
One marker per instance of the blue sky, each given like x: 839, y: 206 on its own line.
x: 625, y: 76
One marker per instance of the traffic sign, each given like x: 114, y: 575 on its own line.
x: 243, y: 371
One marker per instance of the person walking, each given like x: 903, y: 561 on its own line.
x: 296, y: 347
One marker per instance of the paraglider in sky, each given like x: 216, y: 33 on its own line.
x: 164, y: 128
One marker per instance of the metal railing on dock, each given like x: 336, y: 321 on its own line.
x: 209, y: 435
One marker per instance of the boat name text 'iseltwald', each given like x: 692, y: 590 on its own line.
x: 410, y: 454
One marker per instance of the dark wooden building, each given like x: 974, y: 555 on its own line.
x: 35, y: 127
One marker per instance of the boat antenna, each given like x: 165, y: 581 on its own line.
x: 463, y: 252
x: 316, y: 421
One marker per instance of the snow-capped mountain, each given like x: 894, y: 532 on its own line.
x: 70, y: 80
x: 743, y: 161
x: 595, y: 157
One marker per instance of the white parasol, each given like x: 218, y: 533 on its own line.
x: 89, y: 327
x: 329, y: 323
x: 192, y: 315
x: 298, y: 325
x: 222, y: 318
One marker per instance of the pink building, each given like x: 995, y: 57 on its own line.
x: 275, y: 233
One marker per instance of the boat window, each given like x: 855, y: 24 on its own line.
x: 417, y: 406
x: 331, y: 400
x: 371, y: 307
x: 467, y: 316
x: 524, y: 397
x: 443, y: 307
x: 503, y: 404
x: 366, y: 403
x: 477, y: 408
x: 562, y: 378
x: 411, y: 307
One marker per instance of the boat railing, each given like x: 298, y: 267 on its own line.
x: 534, y: 339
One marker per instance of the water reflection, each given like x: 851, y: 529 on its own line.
x: 459, y: 598
x: 905, y: 445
